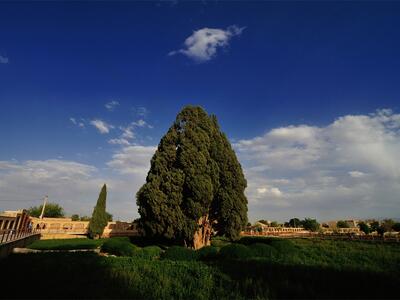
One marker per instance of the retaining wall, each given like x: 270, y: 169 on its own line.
x: 7, y: 247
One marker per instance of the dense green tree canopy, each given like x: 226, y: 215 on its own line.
x: 342, y: 224
x: 364, y: 227
x: 195, y: 183
x: 295, y: 222
x: 310, y: 224
x: 374, y: 226
x: 51, y: 210
x: 265, y: 222
x: 274, y: 224
x: 396, y: 227
x: 99, y: 217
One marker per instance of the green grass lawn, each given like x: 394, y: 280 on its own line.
x: 249, y: 269
x: 66, y: 244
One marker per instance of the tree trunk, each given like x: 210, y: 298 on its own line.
x: 202, y: 236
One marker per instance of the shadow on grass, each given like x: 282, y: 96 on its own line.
x: 265, y: 280
x: 87, y: 275
x: 57, y: 275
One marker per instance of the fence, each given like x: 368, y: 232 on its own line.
x: 8, y: 235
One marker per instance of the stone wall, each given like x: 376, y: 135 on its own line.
x: 7, y: 248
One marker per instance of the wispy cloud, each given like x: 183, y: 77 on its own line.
x: 4, y: 60
x: 120, y: 141
x: 101, y: 126
x: 141, y: 111
x: 141, y: 123
x: 128, y: 133
x: 202, y: 45
x: 111, y: 105
x: 77, y: 123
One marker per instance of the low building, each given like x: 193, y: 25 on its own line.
x: 262, y: 229
x: 53, y: 228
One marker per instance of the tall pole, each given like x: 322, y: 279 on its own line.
x: 44, y: 206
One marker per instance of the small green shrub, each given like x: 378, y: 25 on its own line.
x: 119, y: 247
x: 207, y: 253
x: 235, y: 251
x: 66, y: 244
x: 284, y: 246
x: 263, y: 250
x: 179, y: 253
x: 219, y: 242
x: 149, y: 252
x: 249, y: 240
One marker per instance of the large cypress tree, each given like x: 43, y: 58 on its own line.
x: 99, y: 218
x: 195, y: 185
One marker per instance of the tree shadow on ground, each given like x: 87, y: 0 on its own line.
x: 88, y: 276
x: 58, y: 275
x: 266, y: 280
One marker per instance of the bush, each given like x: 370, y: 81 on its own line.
x: 263, y: 250
x: 119, y: 247
x: 206, y: 253
x: 179, y: 253
x: 66, y: 244
x: 150, y: 252
x: 219, y: 242
x: 235, y: 251
x: 248, y: 240
x: 284, y: 246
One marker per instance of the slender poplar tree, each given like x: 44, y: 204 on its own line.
x: 195, y: 186
x: 99, y: 217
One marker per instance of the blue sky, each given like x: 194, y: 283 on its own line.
x: 280, y: 76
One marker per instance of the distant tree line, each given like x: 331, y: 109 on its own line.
x: 387, y: 225
x: 76, y: 217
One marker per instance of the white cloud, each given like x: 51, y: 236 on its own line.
x: 101, y: 126
x: 356, y: 174
x: 111, y: 105
x: 73, y: 121
x: 262, y: 190
x: 273, y: 191
x: 75, y: 186
x: 4, y: 60
x: 202, y: 45
x: 119, y: 142
x: 308, y: 168
x: 132, y: 160
x: 72, y: 184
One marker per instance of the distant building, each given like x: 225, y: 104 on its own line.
x: 52, y: 228
x: 331, y: 226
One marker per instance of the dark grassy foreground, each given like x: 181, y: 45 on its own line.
x: 252, y: 268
